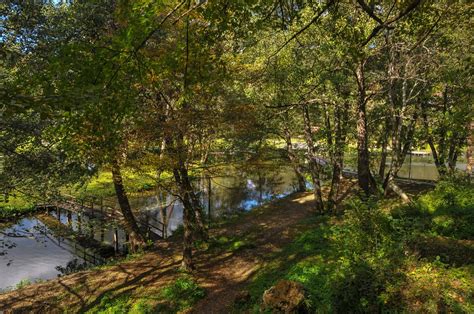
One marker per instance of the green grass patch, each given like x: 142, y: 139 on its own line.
x: 447, y: 211
x: 101, y: 185
x: 15, y: 206
x: 173, y: 298
x: 180, y: 295
x: 230, y: 244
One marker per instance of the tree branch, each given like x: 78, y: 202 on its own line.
x: 313, y: 20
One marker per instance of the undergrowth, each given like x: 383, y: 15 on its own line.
x: 369, y: 260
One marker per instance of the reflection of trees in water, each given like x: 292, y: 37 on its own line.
x: 71, y: 267
x: 246, y: 187
x: 7, y: 242
x: 5, y: 245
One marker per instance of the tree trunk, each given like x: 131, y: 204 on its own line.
x: 295, y: 163
x: 137, y: 239
x: 338, y: 154
x: 398, y: 191
x: 363, y: 158
x: 384, y: 153
x: 188, y: 218
x: 470, y: 148
x: 313, y: 164
x: 438, y: 159
x: 453, y: 154
x: 165, y: 213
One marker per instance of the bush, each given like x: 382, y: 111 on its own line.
x: 450, y: 209
x: 370, y: 251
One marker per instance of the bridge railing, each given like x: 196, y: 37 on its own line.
x: 106, y: 208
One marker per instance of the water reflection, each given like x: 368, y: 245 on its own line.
x: 29, y: 251
x: 234, y: 190
x: 414, y: 167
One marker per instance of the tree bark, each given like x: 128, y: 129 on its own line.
x: 137, y: 239
x: 453, y: 154
x: 394, y: 187
x: 470, y: 149
x: 294, y: 160
x: 438, y: 160
x: 313, y: 164
x: 188, y: 217
x: 384, y: 153
x: 363, y: 158
x: 340, y: 120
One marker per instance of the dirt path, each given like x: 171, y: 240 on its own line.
x: 222, y: 274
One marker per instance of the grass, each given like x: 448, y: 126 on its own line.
x: 173, y: 298
x: 369, y: 261
x: 102, y: 185
x: 17, y: 205
x: 230, y: 244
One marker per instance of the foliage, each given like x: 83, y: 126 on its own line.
x: 366, y: 262
x: 448, y: 210
x: 155, y: 90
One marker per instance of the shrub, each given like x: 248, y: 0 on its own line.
x: 450, y: 209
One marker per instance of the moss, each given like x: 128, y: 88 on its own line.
x: 180, y: 295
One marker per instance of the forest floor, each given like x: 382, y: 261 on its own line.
x: 237, y: 249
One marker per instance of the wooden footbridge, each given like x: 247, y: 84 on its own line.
x: 353, y: 174
x: 97, y: 208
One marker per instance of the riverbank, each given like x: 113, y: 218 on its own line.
x: 415, y: 258
x: 252, y: 237
x: 15, y: 207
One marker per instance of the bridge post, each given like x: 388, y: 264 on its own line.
x: 79, y: 223
x: 92, y: 208
x: 69, y: 218
x: 58, y: 213
x: 209, y: 192
x: 116, y: 244
x: 146, y: 224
